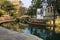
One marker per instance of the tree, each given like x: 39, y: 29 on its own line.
x: 32, y: 9
x: 2, y: 12
x: 7, y: 6
x: 58, y: 5
x: 36, y: 3
x: 31, y: 12
x: 14, y: 14
x: 1, y: 2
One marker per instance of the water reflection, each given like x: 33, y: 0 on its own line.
x: 39, y: 31
x: 27, y: 31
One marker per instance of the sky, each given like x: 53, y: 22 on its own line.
x: 26, y: 3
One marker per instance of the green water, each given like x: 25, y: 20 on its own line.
x: 38, y: 30
x: 41, y: 32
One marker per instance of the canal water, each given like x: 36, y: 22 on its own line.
x: 42, y: 32
x: 37, y: 30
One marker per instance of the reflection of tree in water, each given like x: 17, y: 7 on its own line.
x: 40, y: 31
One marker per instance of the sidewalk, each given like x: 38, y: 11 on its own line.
x: 6, y: 34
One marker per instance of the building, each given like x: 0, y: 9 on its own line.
x: 47, y: 10
x: 22, y: 11
x: 50, y: 12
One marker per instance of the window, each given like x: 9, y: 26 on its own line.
x: 48, y: 9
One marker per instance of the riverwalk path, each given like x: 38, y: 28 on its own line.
x: 6, y: 34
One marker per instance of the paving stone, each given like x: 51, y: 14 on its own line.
x: 6, y: 34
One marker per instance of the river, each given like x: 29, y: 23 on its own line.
x: 41, y: 32
x: 37, y: 30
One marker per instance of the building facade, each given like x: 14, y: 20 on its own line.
x: 22, y: 11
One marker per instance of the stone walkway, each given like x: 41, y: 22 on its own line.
x: 6, y: 34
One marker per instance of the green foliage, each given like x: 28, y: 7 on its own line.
x: 14, y: 14
x: 2, y: 12
x: 2, y: 1
x: 58, y: 6
x: 32, y: 9
x: 36, y: 3
x: 7, y: 6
